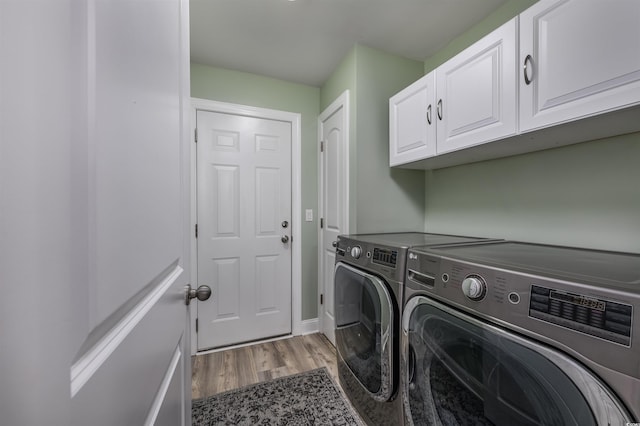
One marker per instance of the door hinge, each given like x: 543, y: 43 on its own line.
x: 196, y: 230
x: 321, y: 223
x: 196, y: 325
x: 322, y: 299
x: 321, y: 146
x: 196, y: 135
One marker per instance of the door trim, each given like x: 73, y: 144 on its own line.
x: 296, y: 198
x: 342, y: 101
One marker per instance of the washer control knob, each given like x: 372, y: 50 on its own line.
x: 474, y: 287
x: 356, y: 252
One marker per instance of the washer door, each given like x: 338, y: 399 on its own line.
x: 364, y: 329
x: 460, y: 370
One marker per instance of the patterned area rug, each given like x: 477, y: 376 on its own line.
x: 309, y: 398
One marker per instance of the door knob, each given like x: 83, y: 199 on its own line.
x: 202, y: 293
x: 285, y: 239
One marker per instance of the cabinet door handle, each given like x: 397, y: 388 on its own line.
x: 429, y: 114
x: 528, y: 63
x: 440, y: 109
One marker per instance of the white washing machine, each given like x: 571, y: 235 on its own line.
x: 509, y: 333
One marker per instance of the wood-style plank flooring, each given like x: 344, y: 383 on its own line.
x: 230, y: 369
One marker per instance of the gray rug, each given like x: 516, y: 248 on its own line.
x: 309, y: 398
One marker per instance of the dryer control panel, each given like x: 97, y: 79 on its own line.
x: 591, y: 320
x: 607, y: 320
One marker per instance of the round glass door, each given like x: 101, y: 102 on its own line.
x: 363, y: 314
x: 460, y: 370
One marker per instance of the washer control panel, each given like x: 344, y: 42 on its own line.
x: 384, y: 260
x: 356, y: 251
x: 385, y: 257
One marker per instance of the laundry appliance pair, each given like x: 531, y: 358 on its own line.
x: 466, y: 330
x: 369, y: 294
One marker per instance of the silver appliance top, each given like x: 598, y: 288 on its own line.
x: 406, y: 240
x: 601, y: 268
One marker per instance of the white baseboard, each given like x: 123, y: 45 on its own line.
x: 304, y: 327
x: 307, y: 327
x: 242, y: 345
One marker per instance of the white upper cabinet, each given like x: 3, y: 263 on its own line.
x: 476, y: 92
x: 469, y: 100
x: 578, y: 58
x: 563, y: 72
x: 412, y: 126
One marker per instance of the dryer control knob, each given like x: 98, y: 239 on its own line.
x: 474, y: 287
x: 356, y: 252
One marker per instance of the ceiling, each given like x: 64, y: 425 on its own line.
x: 303, y: 41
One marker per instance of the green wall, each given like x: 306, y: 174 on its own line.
x: 343, y: 78
x: 494, y: 20
x: 584, y: 195
x: 248, y: 89
x: 381, y: 199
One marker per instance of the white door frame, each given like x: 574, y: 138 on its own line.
x: 296, y: 199
x: 342, y: 101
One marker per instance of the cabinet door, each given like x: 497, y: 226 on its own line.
x: 412, y: 127
x: 582, y: 57
x: 476, y: 92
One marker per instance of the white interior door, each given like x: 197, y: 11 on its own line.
x: 94, y: 241
x: 334, y: 196
x: 244, y: 227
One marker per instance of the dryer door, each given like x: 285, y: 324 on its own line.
x: 458, y: 369
x: 364, y: 329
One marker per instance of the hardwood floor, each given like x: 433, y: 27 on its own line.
x: 226, y: 370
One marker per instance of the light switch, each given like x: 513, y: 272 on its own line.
x: 308, y: 215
